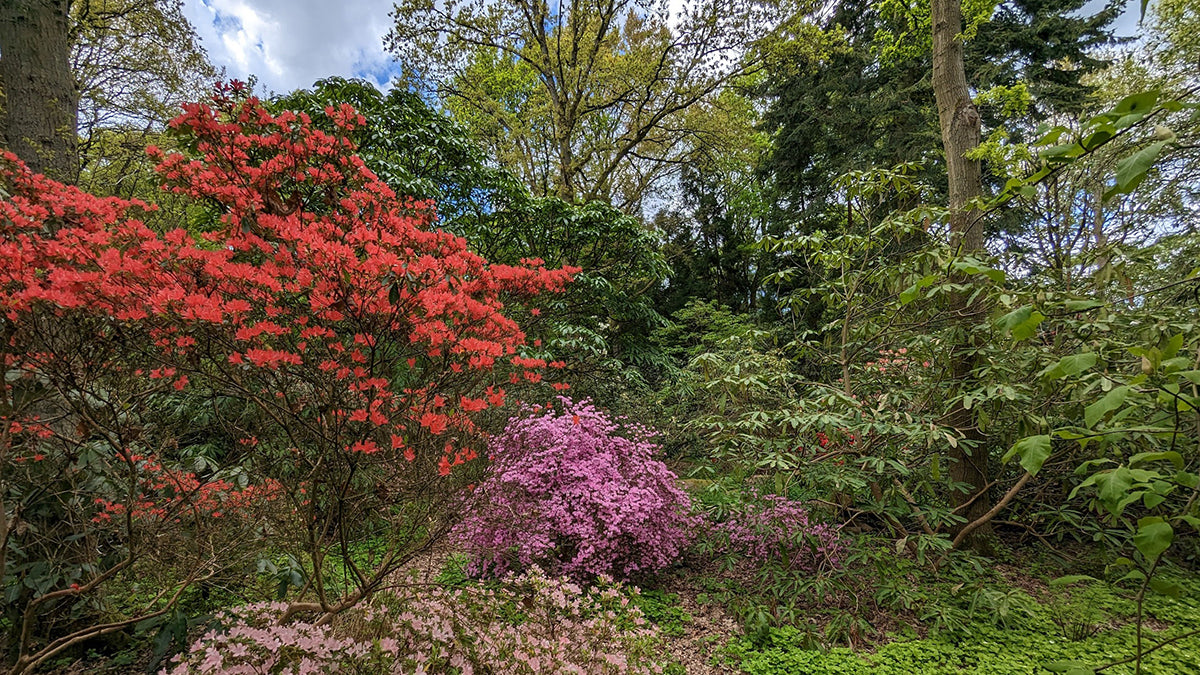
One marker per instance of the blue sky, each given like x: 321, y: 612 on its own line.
x: 289, y: 44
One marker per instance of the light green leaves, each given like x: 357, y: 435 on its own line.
x: 1072, y: 579
x: 1022, y: 323
x: 1133, y: 169
x: 913, y: 292
x: 1033, y: 451
x: 1154, y: 535
x: 1068, y: 366
x: 1111, y: 401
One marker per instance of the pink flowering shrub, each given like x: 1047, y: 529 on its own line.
x: 577, y: 493
x: 530, y: 625
x: 773, y: 528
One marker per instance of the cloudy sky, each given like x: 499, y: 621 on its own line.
x: 289, y: 44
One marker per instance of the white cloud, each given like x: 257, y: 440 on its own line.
x: 288, y: 44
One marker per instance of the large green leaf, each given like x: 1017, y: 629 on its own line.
x: 1154, y: 535
x: 1132, y: 170
x: 1033, y: 451
x: 1022, y: 323
x: 1069, y: 365
x: 1142, y: 102
x: 1110, y: 402
x: 1146, y: 457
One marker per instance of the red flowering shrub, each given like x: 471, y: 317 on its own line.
x: 577, y: 493
x: 358, y: 340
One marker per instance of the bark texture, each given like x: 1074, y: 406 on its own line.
x: 38, y: 111
x: 959, y: 121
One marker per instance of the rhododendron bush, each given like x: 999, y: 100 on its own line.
x: 361, y: 342
x: 578, y: 493
x: 770, y: 528
x: 560, y: 627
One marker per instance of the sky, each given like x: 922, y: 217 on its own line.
x: 289, y: 44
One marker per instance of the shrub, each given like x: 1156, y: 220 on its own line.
x: 770, y: 527
x: 527, y: 625
x: 579, y: 493
x: 358, y: 340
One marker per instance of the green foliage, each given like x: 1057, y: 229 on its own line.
x: 663, y: 610
x: 1034, y: 641
x: 604, y: 319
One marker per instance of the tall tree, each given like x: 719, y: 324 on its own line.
x: 1047, y: 44
x: 37, y: 119
x: 835, y: 106
x: 86, y: 81
x: 960, y: 125
x: 585, y: 97
x: 134, y: 63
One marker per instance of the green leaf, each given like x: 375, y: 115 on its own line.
x: 1071, y: 579
x: 1112, y: 486
x: 1033, y: 451
x: 1142, y: 102
x: 1069, y: 365
x: 1154, y: 535
x: 1191, y: 520
x: 1021, y: 323
x: 1098, y: 137
x: 1129, y: 120
x: 971, y: 266
x: 913, y: 292
x: 1082, y: 305
x: 1110, y: 402
x: 1132, y: 170
x: 1172, y: 346
x: 1144, y: 457
x: 1166, y: 587
x: 1152, y: 499
x: 1062, y: 153
x: 1051, y: 136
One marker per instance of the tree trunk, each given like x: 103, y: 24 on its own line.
x: 959, y: 121
x: 37, y: 117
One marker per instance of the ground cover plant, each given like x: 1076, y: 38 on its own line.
x: 605, y: 337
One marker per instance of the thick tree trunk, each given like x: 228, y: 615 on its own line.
x: 959, y: 121
x: 37, y: 119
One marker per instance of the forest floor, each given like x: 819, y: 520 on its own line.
x: 1031, y: 623
x: 695, y: 642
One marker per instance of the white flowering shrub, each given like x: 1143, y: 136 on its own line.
x: 526, y: 625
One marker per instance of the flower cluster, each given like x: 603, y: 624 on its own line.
x: 315, y: 312
x: 530, y: 625
x: 893, y: 360
x: 770, y: 527
x: 579, y: 493
x: 320, y: 294
x: 167, y: 494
